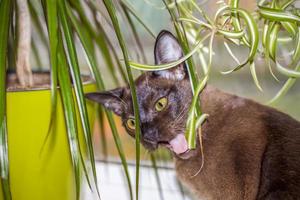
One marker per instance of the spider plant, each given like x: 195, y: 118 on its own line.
x: 257, y: 31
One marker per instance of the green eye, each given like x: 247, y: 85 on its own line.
x: 130, y: 123
x: 161, y: 104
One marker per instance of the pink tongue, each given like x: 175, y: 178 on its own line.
x: 179, y: 144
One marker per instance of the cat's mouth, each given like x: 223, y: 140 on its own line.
x: 178, y: 145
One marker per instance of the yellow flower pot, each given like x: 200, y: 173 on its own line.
x: 37, y: 174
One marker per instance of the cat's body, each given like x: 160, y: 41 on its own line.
x: 250, y: 151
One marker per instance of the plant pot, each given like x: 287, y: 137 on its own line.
x: 36, y: 174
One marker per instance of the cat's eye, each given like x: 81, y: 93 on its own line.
x: 161, y: 104
x: 130, y: 124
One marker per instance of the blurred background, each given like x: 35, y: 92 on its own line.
x: 111, y: 178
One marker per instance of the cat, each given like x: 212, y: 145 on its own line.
x: 251, y: 151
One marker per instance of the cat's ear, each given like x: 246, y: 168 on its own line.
x: 111, y: 100
x: 167, y: 49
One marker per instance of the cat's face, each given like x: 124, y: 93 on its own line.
x: 163, y: 97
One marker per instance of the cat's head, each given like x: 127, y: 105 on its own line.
x: 163, y: 97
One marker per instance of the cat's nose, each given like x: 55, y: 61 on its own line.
x: 150, y: 134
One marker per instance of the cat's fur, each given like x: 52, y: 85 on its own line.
x: 251, y: 151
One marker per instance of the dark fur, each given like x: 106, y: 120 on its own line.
x: 251, y: 151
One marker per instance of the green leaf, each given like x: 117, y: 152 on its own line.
x: 182, y: 37
x: 100, y: 85
x: 254, y: 76
x: 253, y: 34
x: 5, y: 8
x: 145, y: 67
x: 230, y: 34
x: 195, y: 21
x: 70, y: 118
x: 137, y: 16
x: 92, y: 63
x: 103, y: 138
x: 296, y: 55
x: 154, y: 166
x: 287, y: 3
x: 290, y: 27
x: 101, y: 40
x: 285, y: 88
x: 234, y: 4
x: 278, y: 15
x: 78, y: 88
x: 288, y: 72
x: 191, y: 122
x: 271, y: 42
x: 291, y: 81
x: 192, y: 117
x: 112, y: 13
x: 201, y: 119
x: 52, y: 25
x: 231, y: 53
x: 134, y: 32
x: 265, y: 33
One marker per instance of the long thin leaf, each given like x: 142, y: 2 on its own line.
x: 70, y: 118
x: 195, y: 21
x: 103, y: 44
x: 291, y: 28
x: 80, y: 99
x: 288, y: 72
x: 231, y: 53
x: 52, y: 22
x: 101, y: 86
x: 135, y: 33
x: 5, y: 8
x: 291, y: 81
x: 145, y: 67
x: 234, y: 4
x: 254, y: 76
x: 253, y: 33
x: 103, y: 138
x: 112, y: 13
x: 296, y: 56
x: 284, y: 89
x: 230, y: 34
x: 158, y: 181
x: 131, y: 9
x: 92, y: 62
x: 191, y: 122
x: 278, y: 15
x: 182, y: 37
x: 271, y: 42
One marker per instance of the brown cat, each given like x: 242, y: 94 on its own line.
x: 251, y: 151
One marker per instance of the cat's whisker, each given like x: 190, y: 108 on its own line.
x: 179, y: 116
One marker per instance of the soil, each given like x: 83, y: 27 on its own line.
x: 41, y: 81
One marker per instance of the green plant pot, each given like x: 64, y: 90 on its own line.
x: 36, y: 174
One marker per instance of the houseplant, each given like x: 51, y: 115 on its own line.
x: 65, y: 19
x: 46, y: 142
x: 27, y: 172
